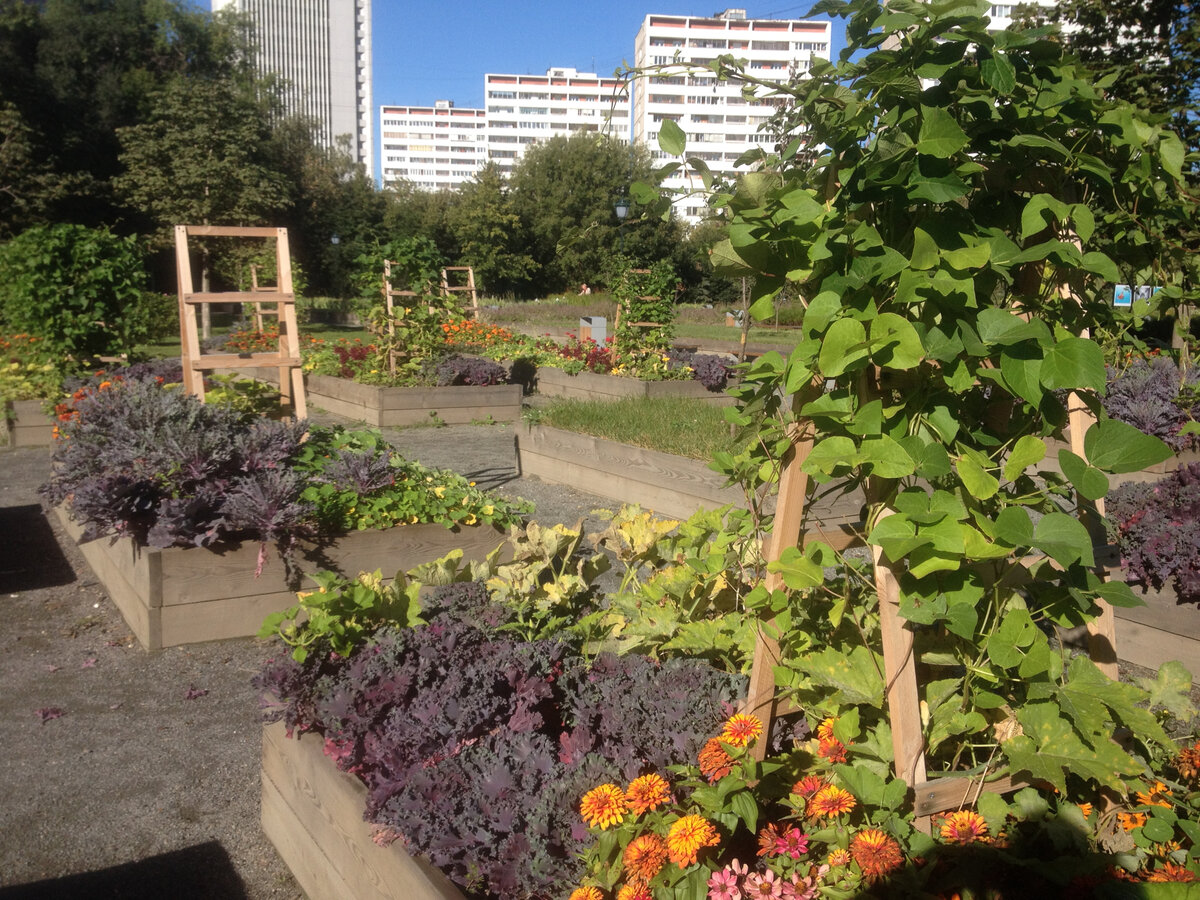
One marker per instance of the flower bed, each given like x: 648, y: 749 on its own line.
x: 186, y: 595
x: 312, y: 813
x: 554, y: 382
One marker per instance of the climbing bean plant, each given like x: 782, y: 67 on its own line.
x: 646, y: 297
x: 973, y: 198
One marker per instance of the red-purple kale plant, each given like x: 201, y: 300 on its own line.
x: 470, y: 370
x: 475, y: 746
x: 708, y: 369
x: 1157, y: 527
x: 1155, y: 397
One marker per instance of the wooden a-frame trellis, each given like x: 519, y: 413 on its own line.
x: 467, y: 287
x: 901, y: 689
x: 286, y: 358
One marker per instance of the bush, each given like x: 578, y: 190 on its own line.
x: 80, y: 289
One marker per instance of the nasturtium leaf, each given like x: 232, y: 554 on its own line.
x: 1091, y: 483
x: 831, y: 454
x: 843, y: 346
x: 1028, y: 451
x: 979, y: 484
x: 1074, y: 363
x: 896, y: 343
x: 1064, y: 539
x: 671, y: 138
x: 940, y: 134
x: 1116, y: 447
x: 1158, y: 830
x: 1014, y: 527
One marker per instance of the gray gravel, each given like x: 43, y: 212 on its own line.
x: 133, y: 774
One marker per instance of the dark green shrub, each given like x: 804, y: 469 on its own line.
x: 82, y: 290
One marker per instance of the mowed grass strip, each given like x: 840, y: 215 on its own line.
x: 690, y: 428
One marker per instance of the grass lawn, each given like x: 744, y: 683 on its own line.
x: 690, y: 428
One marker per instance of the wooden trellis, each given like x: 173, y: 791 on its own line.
x: 257, y: 288
x: 287, y: 356
x: 467, y: 287
x: 900, y: 672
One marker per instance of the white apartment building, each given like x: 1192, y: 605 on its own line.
x: 524, y: 110
x: 719, y: 122
x: 435, y: 147
x: 322, y: 49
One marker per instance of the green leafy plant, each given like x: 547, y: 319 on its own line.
x: 952, y: 216
x: 342, y: 613
x: 646, y: 300
x: 81, y: 290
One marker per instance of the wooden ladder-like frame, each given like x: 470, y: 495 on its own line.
x: 286, y: 359
x: 448, y: 289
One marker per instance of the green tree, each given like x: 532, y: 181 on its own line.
x: 490, y: 236
x: 564, y: 190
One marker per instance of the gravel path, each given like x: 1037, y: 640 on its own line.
x: 132, y: 774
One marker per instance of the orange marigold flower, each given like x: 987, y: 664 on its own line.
x: 1156, y: 796
x: 647, y: 793
x: 831, y: 800
x: 741, y: 729
x: 1086, y: 809
x: 1131, y: 821
x: 603, y: 806
x: 838, y: 857
x: 809, y: 785
x: 686, y: 838
x: 645, y: 856
x: 587, y: 893
x: 635, y: 890
x: 715, y: 763
x: 104, y: 385
x: 876, y: 853
x: 1172, y: 872
x: 1165, y: 850
x: 964, y: 827
x: 832, y: 750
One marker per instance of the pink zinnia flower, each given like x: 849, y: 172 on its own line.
x: 764, y: 886
x: 724, y: 885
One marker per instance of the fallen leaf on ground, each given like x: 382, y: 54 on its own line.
x: 193, y: 692
x: 49, y: 712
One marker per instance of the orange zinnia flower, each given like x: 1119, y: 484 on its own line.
x: 603, y: 806
x: 1155, y: 796
x: 830, y: 800
x: 741, y: 729
x: 964, y: 827
x: 876, y: 853
x: 587, y: 893
x: 715, y: 763
x: 808, y: 785
x: 635, y: 890
x: 644, y: 856
x: 1131, y: 821
x: 838, y: 857
x: 647, y: 793
x: 825, y: 729
x: 832, y: 750
x: 686, y: 838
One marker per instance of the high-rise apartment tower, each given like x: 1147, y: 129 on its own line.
x: 322, y: 48
x: 719, y: 122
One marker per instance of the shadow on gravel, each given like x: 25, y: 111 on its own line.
x: 30, y: 557
x: 494, y: 477
x: 203, y: 872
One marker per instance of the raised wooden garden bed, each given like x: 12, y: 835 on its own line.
x: 1161, y: 630
x: 553, y: 382
x: 392, y: 406
x: 184, y: 595
x: 26, y: 424
x: 313, y: 814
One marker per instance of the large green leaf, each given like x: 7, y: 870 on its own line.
x: 832, y: 454
x: 896, y: 343
x: 998, y: 73
x: 1028, y: 451
x: 1091, y: 483
x: 1064, y: 539
x: 671, y: 138
x: 979, y: 484
x: 844, y: 345
x: 1014, y: 527
x: 940, y: 134
x: 1116, y: 447
x: 886, y: 457
x: 1050, y: 750
x: 999, y: 326
x: 1074, y: 363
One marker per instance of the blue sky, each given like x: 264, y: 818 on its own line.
x: 424, y: 51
